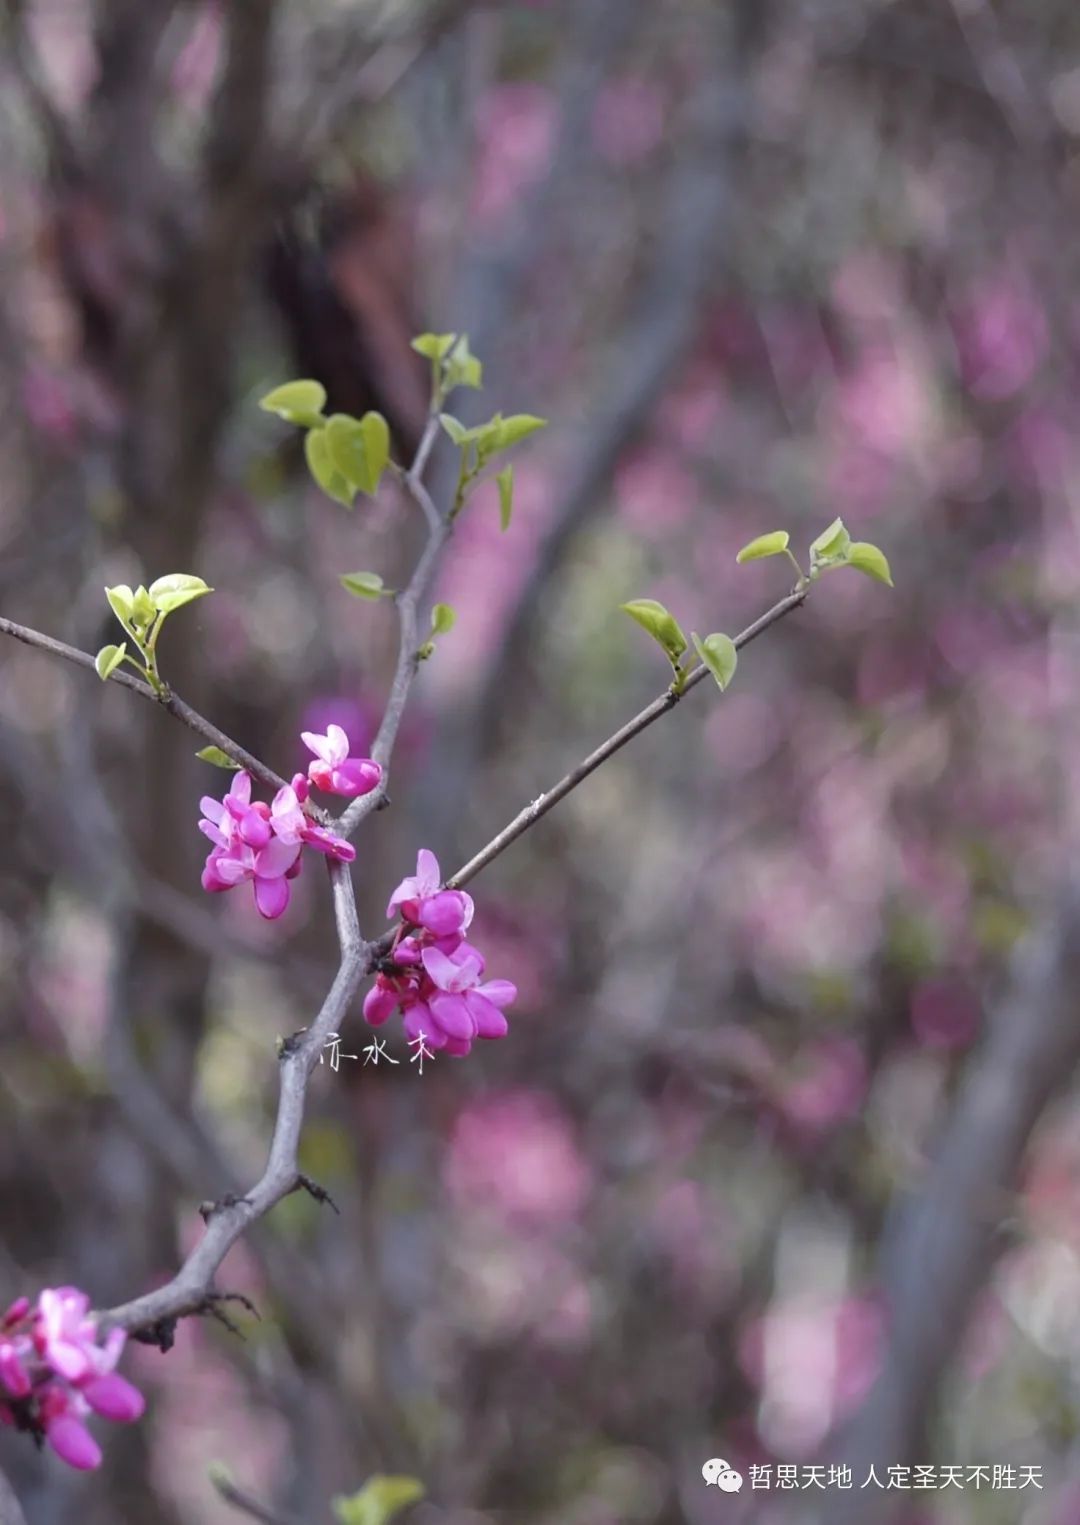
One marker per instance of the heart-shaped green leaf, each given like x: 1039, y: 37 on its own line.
x: 865, y: 557
x: 218, y: 758
x: 831, y: 545
x: 719, y: 656
x: 659, y: 623
x: 298, y: 402
x: 363, y: 584
x: 773, y: 544
x: 108, y: 660
x: 443, y: 618
x: 326, y: 474
x: 175, y: 590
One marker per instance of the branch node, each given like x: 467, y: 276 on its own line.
x: 230, y: 1199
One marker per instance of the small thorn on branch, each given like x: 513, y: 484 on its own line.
x: 210, y: 1304
x: 313, y: 1189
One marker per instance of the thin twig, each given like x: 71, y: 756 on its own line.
x: 189, y: 1288
x: 171, y: 702
x: 660, y: 706
x: 245, y: 1502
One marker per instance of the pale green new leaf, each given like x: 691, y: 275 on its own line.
x: 443, y: 618
x: 719, y: 656
x: 378, y: 1502
x: 505, y: 480
x: 108, y: 660
x: 376, y: 434
x: 325, y: 473
x: 218, y: 758
x: 175, y: 590
x: 831, y: 544
x: 121, y: 602
x: 865, y: 557
x: 457, y: 430
x: 298, y: 402
x: 363, y: 584
x: 659, y: 623
x: 773, y: 544
x: 518, y: 427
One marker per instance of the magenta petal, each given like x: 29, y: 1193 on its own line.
x: 240, y: 789
x: 73, y: 1443
x: 444, y: 913
x: 271, y: 897
x: 276, y: 858
x: 114, y: 1398
x: 428, y: 872
x: 498, y: 992
x: 490, y: 1022
x: 419, y: 1021
x: 254, y: 830
x: 380, y: 1005
x: 453, y: 1015
x: 320, y: 745
x: 458, y: 1047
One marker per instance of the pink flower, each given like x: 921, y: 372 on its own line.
x: 245, y: 847
x: 57, y: 1373
x: 334, y: 771
x: 421, y: 901
x: 461, y: 1005
x: 291, y: 825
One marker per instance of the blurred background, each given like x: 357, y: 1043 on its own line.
x: 781, y: 1160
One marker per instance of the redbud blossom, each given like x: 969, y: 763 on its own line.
x: 54, y: 1374
x: 334, y: 771
x: 435, y: 975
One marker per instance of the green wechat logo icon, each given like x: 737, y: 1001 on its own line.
x: 717, y: 1471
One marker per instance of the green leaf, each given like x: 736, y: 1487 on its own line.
x: 433, y: 346
x: 865, y: 557
x: 659, y: 623
x: 443, y: 618
x: 143, y: 609
x: 376, y: 432
x: 773, y: 544
x: 359, y: 449
x: 518, y: 427
x: 379, y: 1500
x: 457, y: 430
x: 108, y: 660
x: 176, y: 590
x: 297, y: 402
x: 121, y: 602
x: 505, y: 480
x: 719, y: 656
x: 363, y: 584
x: 219, y: 758
x: 831, y: 545
x: 321, y: 465
x: 462, y: 369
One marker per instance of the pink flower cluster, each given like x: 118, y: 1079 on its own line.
x: 260, y: 843
x: 54, y: 1374
x: 432, y: 973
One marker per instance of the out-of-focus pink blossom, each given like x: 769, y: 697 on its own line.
x: 628, y: 120
x: 516, y: 132
x: 516, y: 1154
x: 944, y: 1014
x: 1001, y: 336
x: 827, y: 1088
x: 334, y: 771
x: 55, y: 1373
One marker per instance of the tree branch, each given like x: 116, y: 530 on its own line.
x: 170, y: 702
